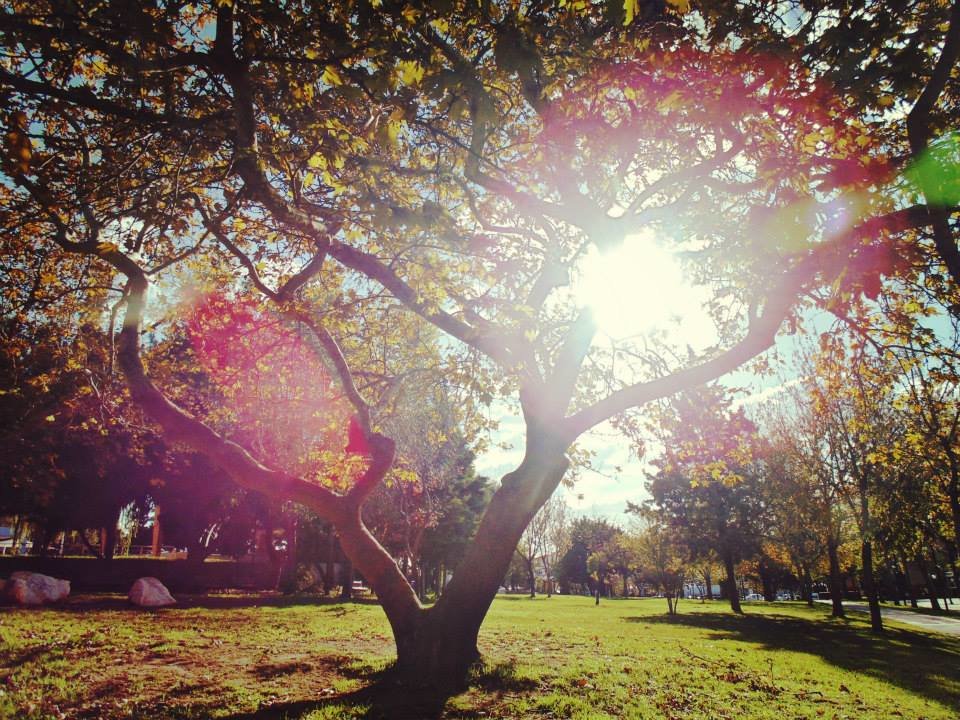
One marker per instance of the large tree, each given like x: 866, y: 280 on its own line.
x: 370, y: 168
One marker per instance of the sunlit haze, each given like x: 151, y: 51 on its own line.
x: 640, y: 287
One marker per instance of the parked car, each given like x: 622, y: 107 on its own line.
x: 754, y: 596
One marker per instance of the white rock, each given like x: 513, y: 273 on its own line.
x: 150, y: 592
x: 27, y: 588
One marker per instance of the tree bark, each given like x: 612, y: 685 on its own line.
x: 546, y: 574
x: 108, y: 541
x: 808, y: 585
x: 439, y: 647
x: 928, y: 581
x: 346, y: 581
x: 708, y: 579
x: 766, y: 581
x: 733, y: 592
x: 836, y: 581
x: 329, y: 579
x: 870, y: 586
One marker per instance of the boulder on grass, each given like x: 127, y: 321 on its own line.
x: 27, y: 588
x: 150, y: 592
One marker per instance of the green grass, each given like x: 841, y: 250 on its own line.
x: 560, y: 657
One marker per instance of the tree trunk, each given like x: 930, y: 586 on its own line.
x: 532, y: 577
x: 546, y: 574
x: 808, y: 585
x: 870, y: 586
x: 766, y: 581
x: 708, y: 579
x: 439, y: 646
x: 866, y: 557
x: 953, y: 494
x: 108, y: 541
x: 928, y: 581
x: 329, y: 579
x: 836, y: 581
x: 157, y: 532
x: 346, y: 581
x: 733, y: 593
x: 17, y: 532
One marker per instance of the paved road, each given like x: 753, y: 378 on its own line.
x: 935, y: 623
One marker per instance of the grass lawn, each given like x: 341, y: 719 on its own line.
x: 261, y: 657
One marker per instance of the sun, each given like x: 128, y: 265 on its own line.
x: 640, y: 287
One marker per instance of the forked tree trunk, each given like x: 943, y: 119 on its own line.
x: 440, y: 645
x: 435, y: 646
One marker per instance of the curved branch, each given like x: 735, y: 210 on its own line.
x: 761, y: 333
x: 918, y: 121
x: 371, y: 266
x: 179, y: 425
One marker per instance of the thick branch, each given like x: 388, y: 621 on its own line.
x: 179, y: 425
x: 370, y: 266
x: 918, y: 121
x: 282, y: 297
x: 84, y: 97
x: 919, y: 132
x: 570, y: 358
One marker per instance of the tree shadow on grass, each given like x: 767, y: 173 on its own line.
x: 385, y: 697
x: 921, y: 663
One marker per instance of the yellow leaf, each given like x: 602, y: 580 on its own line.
x: 411, y: 72
x: 680, y: 6
x: 103, y: 248
x: 440, y: 25
x: 630, y: 9
x: 885, y: 101
x: 317, y: 160
x: 50, y: 418
x: 331, y: 76
x: 311, y: 53
x: 410, y: 14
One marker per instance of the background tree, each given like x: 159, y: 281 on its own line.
x: 707, y: 482
x: 662, y: 558
x: 588, y: 537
